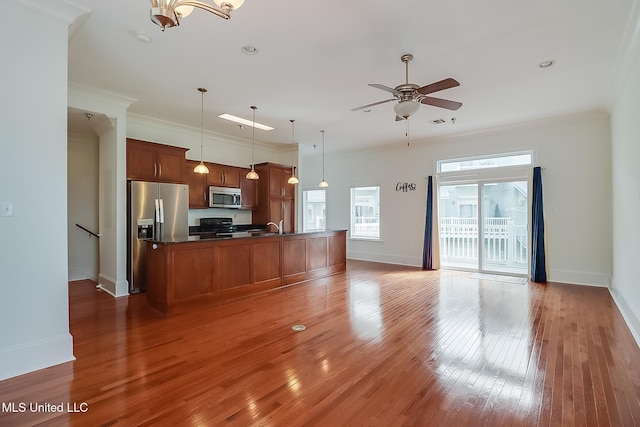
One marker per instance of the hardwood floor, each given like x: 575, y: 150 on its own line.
x: 384, y: 345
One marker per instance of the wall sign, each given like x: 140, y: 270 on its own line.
x: 405, y: 186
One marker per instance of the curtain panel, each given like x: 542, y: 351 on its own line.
x: 538, y: 259
x: 431, y: 248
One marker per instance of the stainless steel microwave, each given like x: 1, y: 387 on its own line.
x: 222, y: 197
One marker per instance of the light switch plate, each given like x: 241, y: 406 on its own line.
x: 6, y: 209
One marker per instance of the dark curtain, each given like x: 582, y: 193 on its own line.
x: 538, y: 261
x: 427, y: 252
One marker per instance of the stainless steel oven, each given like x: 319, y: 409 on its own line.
x: 222, y: 197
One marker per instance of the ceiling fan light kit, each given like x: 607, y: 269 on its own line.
x: 168, y: 13
x: 410, y: 95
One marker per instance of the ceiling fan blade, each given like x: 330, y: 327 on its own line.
x: 442, y: 103
x: 385, y: 88
x: 372, y: 105
x: 438, y: 86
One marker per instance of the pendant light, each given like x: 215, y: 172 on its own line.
x: 201, y: 168
x: 292, y: 179
x: 323, y: 183
x: 252, y: 174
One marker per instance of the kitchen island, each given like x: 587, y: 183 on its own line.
x: 196, y: 272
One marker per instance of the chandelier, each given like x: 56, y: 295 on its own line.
x: 168, y: 13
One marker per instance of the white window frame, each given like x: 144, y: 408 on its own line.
x: 352, y: 214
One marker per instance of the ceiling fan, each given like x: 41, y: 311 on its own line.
x: 411, y: 95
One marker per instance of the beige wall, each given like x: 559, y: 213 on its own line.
x: 82, y: 206
x: 625, y: 125
x: 574, y: 150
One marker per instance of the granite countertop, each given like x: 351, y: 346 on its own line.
x: 259, y: 234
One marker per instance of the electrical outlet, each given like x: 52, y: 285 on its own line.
x: 6, y: 209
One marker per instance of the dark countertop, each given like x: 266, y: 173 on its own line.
x: 204, y: 237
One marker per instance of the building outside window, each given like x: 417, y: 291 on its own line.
x: 365, y: 213
x: 314, y: 217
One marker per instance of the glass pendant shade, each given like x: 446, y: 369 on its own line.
x: 252, y: 174
x: 184, y: 11
x: 233, y: 4
x: 406, y: 108
x: 323, y: 184
x: 292, y: 180
x: 201, y: 168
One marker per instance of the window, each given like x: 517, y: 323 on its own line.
x: 314, y: 217
x: 365, y: 213
x: 483, y: 162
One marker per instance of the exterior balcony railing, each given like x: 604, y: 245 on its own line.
x: 504, y: 244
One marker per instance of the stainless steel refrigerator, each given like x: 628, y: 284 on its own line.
x: 156, y: 211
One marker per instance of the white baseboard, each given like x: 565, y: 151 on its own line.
x: 579, y: 278
x: 629, y: 317
x: 37, y: 355
x: 79, y: 274
x: 114, y: 288
x: 385, y: 258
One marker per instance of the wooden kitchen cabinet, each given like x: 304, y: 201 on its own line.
x: 148, y: 161
x: 223, y: 176
x: 195, y: 274
x: 199, y: 184
x: 198, y: 189
x: 248, y: 189
x: 276, y: 197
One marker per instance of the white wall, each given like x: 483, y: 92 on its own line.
x: 574, y: 150
x: 82, y: 205
x: 625, y: 126
x: 33, y: 177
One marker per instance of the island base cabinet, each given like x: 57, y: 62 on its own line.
x: 187, y: 275
x: 310, y: 256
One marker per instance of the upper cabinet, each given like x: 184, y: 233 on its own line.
x: 276, y: 197
x: 223, y: 176
x: 218, y: 175
x: 148, y: 161
x: 198, y: 189
x: 278, y: 185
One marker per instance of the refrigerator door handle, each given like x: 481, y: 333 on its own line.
x: 161, y: 221
x: 157, y: 210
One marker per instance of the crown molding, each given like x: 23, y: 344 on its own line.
x: 177, y: 127
x: 97, y: 100
x: 64, y: 10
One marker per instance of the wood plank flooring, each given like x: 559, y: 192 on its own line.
x: 384, y: 345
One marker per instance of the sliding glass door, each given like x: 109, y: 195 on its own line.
x: 491, y: 236
x: 504, y: 233
x: 458, y: 212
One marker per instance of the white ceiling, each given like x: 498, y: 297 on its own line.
x: 316, y: 58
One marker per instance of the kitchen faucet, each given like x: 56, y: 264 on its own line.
x: 279, y: 227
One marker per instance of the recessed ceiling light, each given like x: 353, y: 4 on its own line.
x: 143, y: 37
x: 249, y: 50
x: 244, y: 121
x: 545, y: 64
